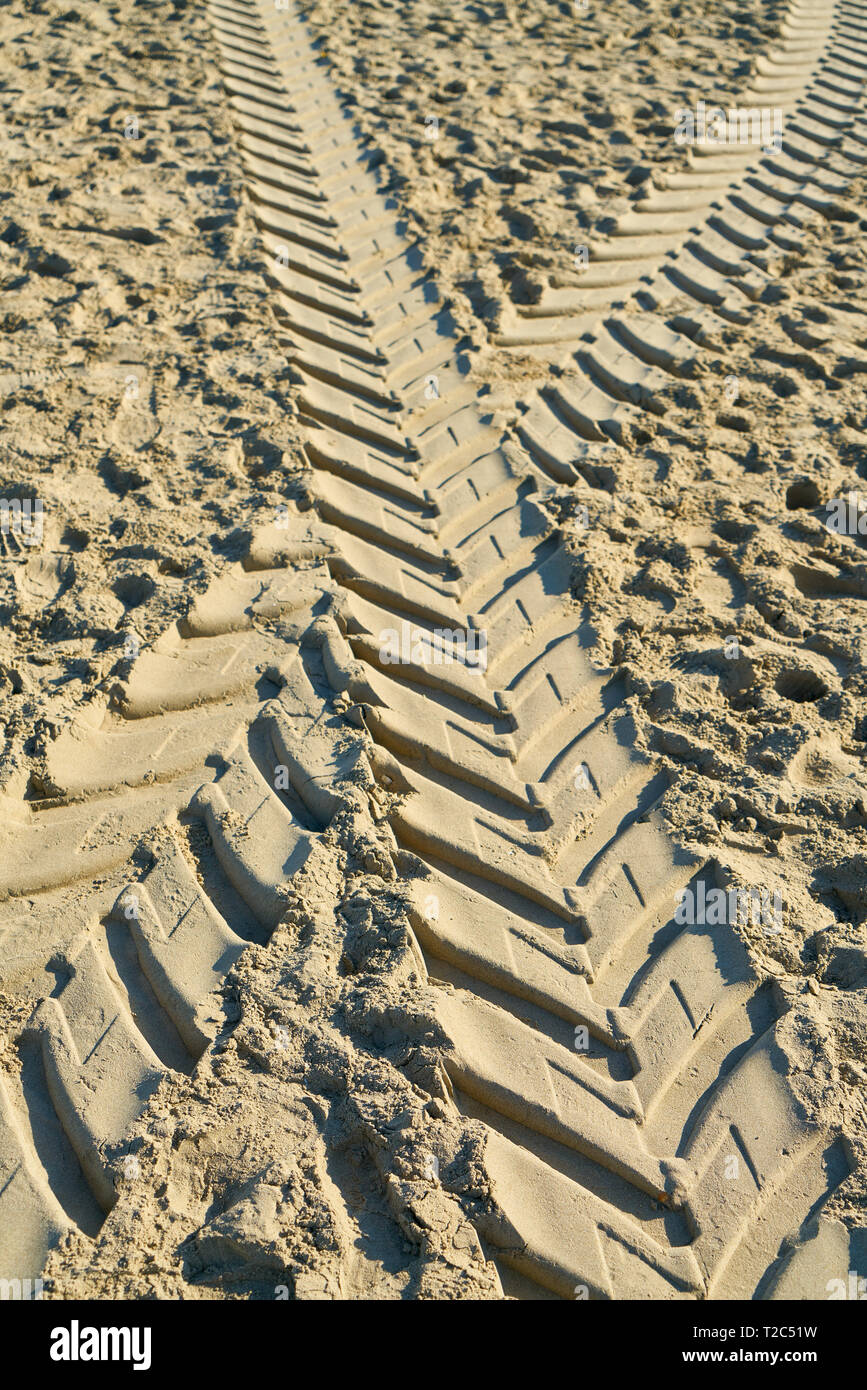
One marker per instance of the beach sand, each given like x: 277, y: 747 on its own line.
x: 334, y: 967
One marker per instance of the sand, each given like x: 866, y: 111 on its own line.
x: 337, y: 965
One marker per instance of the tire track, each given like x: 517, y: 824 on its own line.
x: 690, y: 237
x: 160, y: 848
x: 145, y: 916
x: 711, y: 225
x: 534, y: 910
x: 541, y: 903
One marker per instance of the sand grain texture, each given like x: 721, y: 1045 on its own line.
x: 327, y: 977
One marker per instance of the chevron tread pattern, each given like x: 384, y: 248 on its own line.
x: 528, y: 836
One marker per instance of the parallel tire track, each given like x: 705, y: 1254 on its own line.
x: 734, y: 196
x: 688, y: 259
x: 528, y: 835
x: 538, y: 905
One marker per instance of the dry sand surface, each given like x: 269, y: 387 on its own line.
x: 434, y: 834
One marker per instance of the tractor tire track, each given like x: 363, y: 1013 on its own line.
x: 690, y: 237
x: 535, y: 906
x: 690, y: 256
x: 527, y: 835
